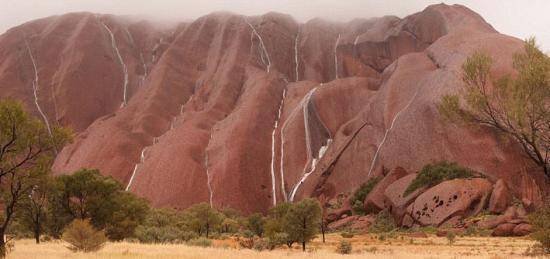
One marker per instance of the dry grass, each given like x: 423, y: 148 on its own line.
x: 364, y: 246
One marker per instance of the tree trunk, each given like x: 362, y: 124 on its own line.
x: 207, y: 230
x: 37, y: 234
x: 304, y: 246
x: 3, y: 251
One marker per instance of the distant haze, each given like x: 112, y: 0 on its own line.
x: 519, y: 18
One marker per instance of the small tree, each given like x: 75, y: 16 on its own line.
x: 34, y: 207
x: 517, y: 106
x: 276, y: 225
x: 302, y: 221
x: 27, y: 149
x: 82, y: 237
x: 205, y: 217
x: 256, y: 224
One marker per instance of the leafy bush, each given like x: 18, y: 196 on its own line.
x: 346, y: 234
x: 540, y: 220
x: 357, y: 199
x: 261, y: 244
x: 451, y: 237
x: 201, y: 241
x: 383, y: 223
x: 277, y: 239
x: 82, y: 237
x: 434, y: 174
x: 188, y: 235
x: 154, y: 234
x: 344, y: 247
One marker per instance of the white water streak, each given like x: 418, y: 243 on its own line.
x: 388, y: 131
x: 124, y: 68
x: 273, y: 183
x: 292, y: 114
x: 336, y: 56
x: 208, y: 178
x: 262, y: 46
x: 35, y: 87
x: 296, y: 60
x: 141, y: 161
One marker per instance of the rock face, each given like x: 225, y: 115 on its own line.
x: 374, y: 202
x: 443, y: 202
x: 500, y: 198
x: 246, y: 112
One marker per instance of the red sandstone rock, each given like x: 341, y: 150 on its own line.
x: 522, y: 229
x: 374, y: 202
x: 455, y: 199
x: 500, y: 198
x: 201, y: 126
x: 504, y: 230
x: 397, y: 203
x: 339, y: 224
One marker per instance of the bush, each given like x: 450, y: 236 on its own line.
x: 152, y: 234
x: 82, y: 237
x: 344, y: 247
x: 277, y: 239
x: 451, y: 237
x: 540, y: 220
x: 357, y: 199
x: 261, y: 244
x: 434, y: 174
x: 201, y: 241
x: 346, y: 234
x: 188, y: 235
x: 383, y: 223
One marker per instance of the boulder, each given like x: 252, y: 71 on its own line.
x: 504, y: 230
x: 394, y: 199
x: 528, y: 204
x: 374, y: 202
x: 500, y: 198
x: 522, y: 229
x: 337, y: 214
x: 339, y: 224
x: 455, y: 199
x: 362, y: 224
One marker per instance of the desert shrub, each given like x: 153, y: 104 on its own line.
x: 261, y: 244
x: 346, y: 234
x: 451, y: 237
x: 246, y: 242
x: 188, y: 235
x: 344, y: 247
x: 383, y: 223
x: 82, y: 237
x: 154, y: 234
x: 434, y: 174
x: 540, y: 220
x: 277, y: 239
x: 201, y: 241
x: 357, y: 199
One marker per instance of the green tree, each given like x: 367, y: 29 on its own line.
x: 541, y: 225
x: 255, y: 223
x: 34, y: 207
x: 302, y: 221
x: 517, y: 106
x: 87, y: 194
x: 276, y: 225
x: 205, y: 218
x: 27, y: 149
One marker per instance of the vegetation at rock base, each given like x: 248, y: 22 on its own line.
x: 517, y: 106
x: 541, y: 224
x: 383, y: 223
x: 82, y: 237
x: 356, y: 200
x: 344, y: 247
x: 434, y: 174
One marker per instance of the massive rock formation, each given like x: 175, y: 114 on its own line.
x: 246, y: 112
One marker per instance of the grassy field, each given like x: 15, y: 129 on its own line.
x: 364, y: 246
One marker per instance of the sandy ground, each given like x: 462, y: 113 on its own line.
x: 364, y: 246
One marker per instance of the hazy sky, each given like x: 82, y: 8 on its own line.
x: 520, y: 18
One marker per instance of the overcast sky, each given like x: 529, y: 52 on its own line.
x: 520, y: 18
